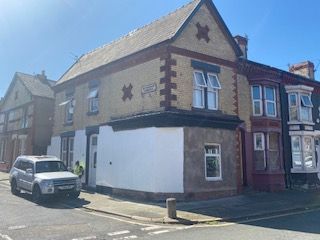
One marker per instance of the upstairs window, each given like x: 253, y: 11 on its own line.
x: 257, y: 100
x: 300, y: 107
x: 199, y: 84
x: 70, y: 110
x: 293, y: 107
x: 306, y: 108
x: 205, y: 90
x: 93, y: 99
x: 270, y: 101
x: 264, y: 95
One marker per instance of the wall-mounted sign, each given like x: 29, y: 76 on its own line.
x: 149, y: 88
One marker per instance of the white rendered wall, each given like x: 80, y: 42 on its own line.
x: 149, y: 159
x: 54, y: 148
x: 80, y: 146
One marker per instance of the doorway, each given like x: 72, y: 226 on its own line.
x: 93, y: 160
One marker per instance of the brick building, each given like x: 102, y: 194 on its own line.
x: 156, y: 113
x: 26, y: 115
x: 175, y: 108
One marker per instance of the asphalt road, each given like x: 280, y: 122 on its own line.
x: 21, y: 219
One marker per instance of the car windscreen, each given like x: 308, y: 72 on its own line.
x: 50, y: 166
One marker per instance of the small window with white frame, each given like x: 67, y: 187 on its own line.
x: 270, y: 101
x: 213, y: 91
x: 259, y: 144
x: 296, y: 152
x: 70, y: 110
x: 256, y: 100
x: 293, y: 107
x: 213, y: 162
x: 306, y: 108
x: 259, y: 151
x: 199, y: 84
x: 93, y: 98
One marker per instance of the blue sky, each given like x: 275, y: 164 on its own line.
x: 48, y: 35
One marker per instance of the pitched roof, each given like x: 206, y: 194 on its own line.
x: 161, y: 30
x: 156, y: 32
x: 35, y: 85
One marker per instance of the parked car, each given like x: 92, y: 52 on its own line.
x: 43, y: 176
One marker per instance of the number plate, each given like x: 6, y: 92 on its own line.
x: 66, y: 187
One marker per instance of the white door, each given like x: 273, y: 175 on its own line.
x: 93, y: 160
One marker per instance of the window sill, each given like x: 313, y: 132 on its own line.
x: 214, y: 179
x: 68, y: 124
x: 299, y: 170
x: 92, y: 113
x: 300, y: 122
x: 198, y: 109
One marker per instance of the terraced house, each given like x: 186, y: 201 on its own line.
x: 26, y: 115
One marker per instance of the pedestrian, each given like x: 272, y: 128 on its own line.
x: 78, y: 170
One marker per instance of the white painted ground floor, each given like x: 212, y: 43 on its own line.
x: 177, y: 160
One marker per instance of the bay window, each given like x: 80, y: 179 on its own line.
x: 299, y: 103
x: 257, y: 100
x: 303, y: 156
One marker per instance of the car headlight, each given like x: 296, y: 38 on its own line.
x: 47, y: 183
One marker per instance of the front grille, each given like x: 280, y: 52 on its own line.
x: 64, y: 182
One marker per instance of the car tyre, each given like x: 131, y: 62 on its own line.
x: 36, y: 194
x: 74, y: 195
x: 14, y: 189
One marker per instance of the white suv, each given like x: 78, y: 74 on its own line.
x: 43, y: 176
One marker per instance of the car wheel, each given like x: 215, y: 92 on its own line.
x: 14, y: 189
x: 36, y: 194
x: 74, y: 195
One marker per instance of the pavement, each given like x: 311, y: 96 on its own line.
x: 232, y: 209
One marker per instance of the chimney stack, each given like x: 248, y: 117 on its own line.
x: 243, y: 44
x: 305, y: 69
x: 42, y: 76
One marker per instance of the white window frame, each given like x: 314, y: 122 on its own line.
x: 198, y: 87
x: 219, y: 178
x: 93, y: 98
x: 214, y: 90
x: 70, y: 151
x: 296, y: 106
x: 308, y: 108
x: 263, y: 147
x: 64, y: 150
x: 70, y: 110
x: 270, y: 101
x: 257, y: 100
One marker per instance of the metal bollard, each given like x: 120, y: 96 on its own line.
x: 171, y: 208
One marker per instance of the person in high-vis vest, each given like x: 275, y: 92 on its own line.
x: 78, y: 169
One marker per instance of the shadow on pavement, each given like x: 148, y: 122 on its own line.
x: 57, y: 202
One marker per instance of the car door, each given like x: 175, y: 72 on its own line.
x: 21, y: 174
x: 28, y: 177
